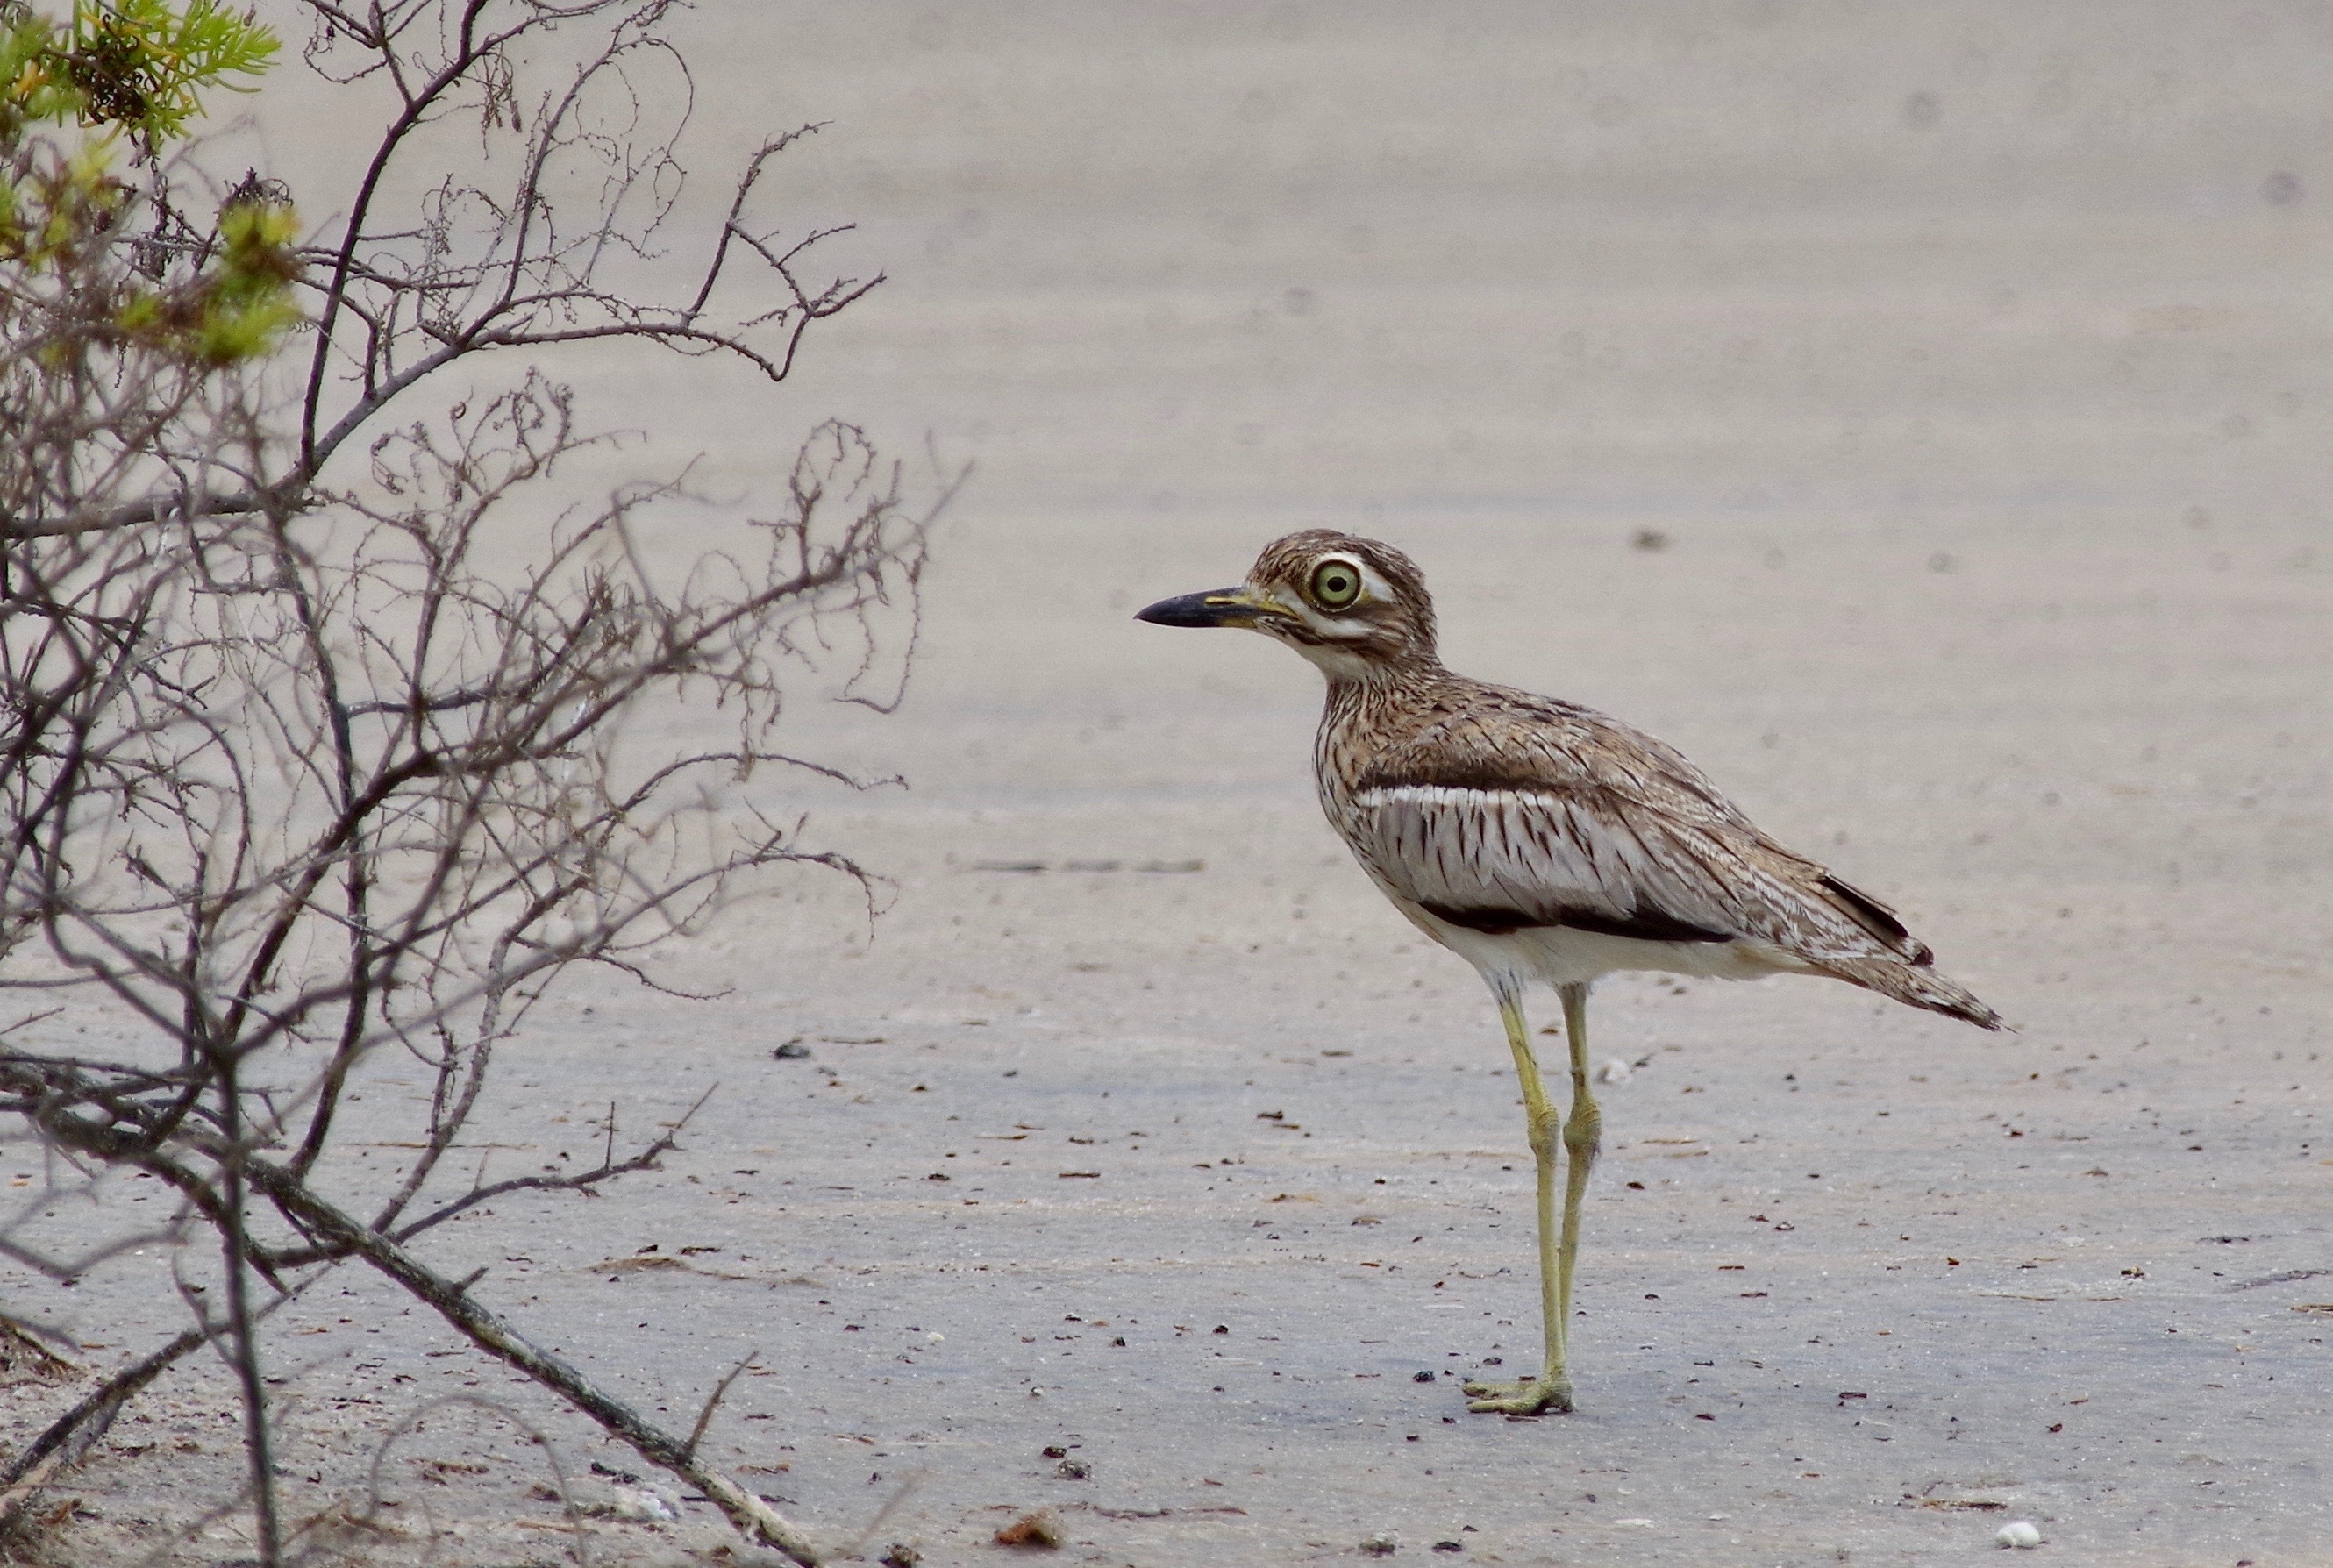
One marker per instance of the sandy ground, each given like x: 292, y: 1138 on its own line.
x: 1971, y: 363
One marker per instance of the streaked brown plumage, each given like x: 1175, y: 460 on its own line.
x: 1543, y: 841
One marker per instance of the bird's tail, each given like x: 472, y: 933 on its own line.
x: 1916, y: 985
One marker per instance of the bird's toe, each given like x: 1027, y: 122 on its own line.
x: 1529, y: 1397
x: 1508, y: 1390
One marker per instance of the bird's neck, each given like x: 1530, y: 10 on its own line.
x: 1384, y: 696
x: 1382, y: 679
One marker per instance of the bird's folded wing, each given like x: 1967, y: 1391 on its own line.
x: 1486, y: 857
x: 1503, y: 859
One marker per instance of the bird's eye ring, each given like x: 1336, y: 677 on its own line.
x: 1336, y: 584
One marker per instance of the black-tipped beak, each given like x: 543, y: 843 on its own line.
x: 1230, y: 607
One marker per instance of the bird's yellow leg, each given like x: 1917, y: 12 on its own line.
x: 1551, y: 1390
x: 1583, y: 1134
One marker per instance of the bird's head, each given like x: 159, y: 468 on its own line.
x: 1352, y: 606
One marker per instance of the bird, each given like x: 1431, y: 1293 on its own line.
x: 1544, y: 843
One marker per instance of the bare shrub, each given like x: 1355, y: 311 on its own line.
x: 291, y: 765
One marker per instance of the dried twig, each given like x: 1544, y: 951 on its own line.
x: 713, y: 1403
x: 752, y: 1518
x: 375, y: 1501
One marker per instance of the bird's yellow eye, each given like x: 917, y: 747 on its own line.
x: 1336, y: 584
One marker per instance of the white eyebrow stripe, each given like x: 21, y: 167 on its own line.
x: 1372, y: 586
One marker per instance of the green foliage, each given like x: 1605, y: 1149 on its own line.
x: 72, y: 275
x: 247, y: 303
x: 139, y: 64
x: 238, y: 309
x: 33, y: 87
x: 54, y: 208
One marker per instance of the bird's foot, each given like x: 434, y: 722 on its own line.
x: 1529, y: 1397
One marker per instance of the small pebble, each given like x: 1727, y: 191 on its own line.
x: 1380, y: 1545
x: 649, y: 1505
x: 2019, y: 1533
x: 1041, y: 1528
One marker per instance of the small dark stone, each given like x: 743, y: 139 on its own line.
x: 1073, y: 1470
x: 1423, y: 1377
x: 792, y: 1051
